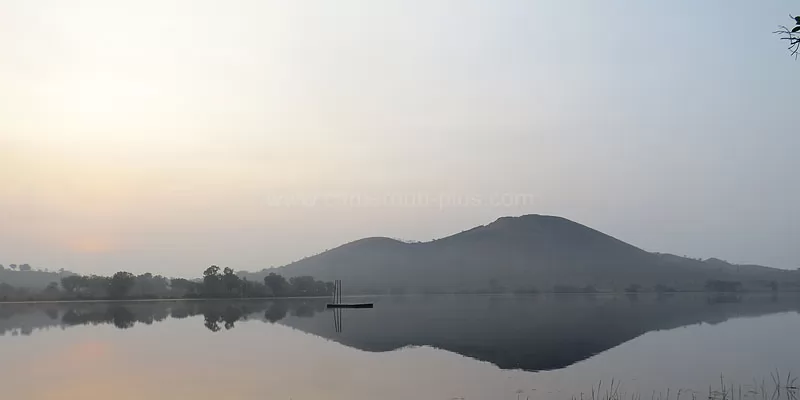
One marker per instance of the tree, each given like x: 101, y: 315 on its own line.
x: 71, y: 284
x: 308, y: 286
x: 6, y: 290
x: 792, y: 36
x: 212, y: 282
x: 120, y: 284
x: 89, y: 286
x: 329, y: 287
x: 277, y: 284
x: 99, y: 285
x: 25, y: 267
x: 211, y: 271
x: 230, y: 280
x: 1, y: 267
x: 149, y: 285
x: 302, y: 285
x: 51, y: 289
x: 183, y: 287
x: 254, y: 289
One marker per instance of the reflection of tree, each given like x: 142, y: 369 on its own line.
x: 723, y: 298
x: 276, y: 312
x: 212, y: 316
x: 52, y: 313
x: 304, y: 310
x: 182, y: 310
x: 211, y: 322
x: 160, y: 313
x: 227, y: 314
x: 121, y: 317
x: 231, y: 315
x: 180, y: 313
x: 215, y: 313
x: 664, y: 296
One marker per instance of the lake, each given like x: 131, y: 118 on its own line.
x: 407, y: 347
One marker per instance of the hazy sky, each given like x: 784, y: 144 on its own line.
x: 171, y: 135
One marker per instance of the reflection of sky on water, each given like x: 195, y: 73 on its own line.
x: 256, y: 359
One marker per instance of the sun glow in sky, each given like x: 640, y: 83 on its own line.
x: 169, y: 135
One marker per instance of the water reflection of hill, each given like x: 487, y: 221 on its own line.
x: 520, y: 332
x: 530, y: 333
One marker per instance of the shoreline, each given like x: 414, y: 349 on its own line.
x: 229, y: 299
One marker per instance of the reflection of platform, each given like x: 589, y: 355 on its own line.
x: 350, y: 305
x: 337, y: 298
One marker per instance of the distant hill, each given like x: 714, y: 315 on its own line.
x: 532, y: 252
x: 35, y: 280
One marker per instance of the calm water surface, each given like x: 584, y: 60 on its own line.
x: 424, y: 347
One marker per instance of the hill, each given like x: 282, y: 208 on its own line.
x: 34, y: 280
x: 513, y: 254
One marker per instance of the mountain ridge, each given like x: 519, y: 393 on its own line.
x: 519, y: 254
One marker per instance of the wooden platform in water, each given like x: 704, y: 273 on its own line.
x: 350, y: 305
